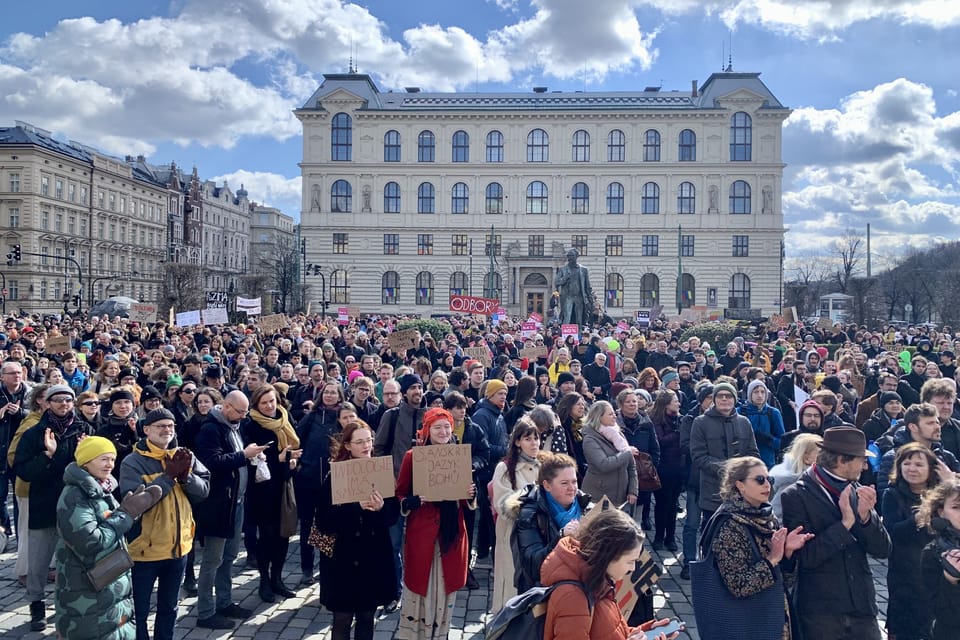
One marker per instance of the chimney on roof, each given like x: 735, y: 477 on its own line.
x: 539, y: 89
x: 693, y: 89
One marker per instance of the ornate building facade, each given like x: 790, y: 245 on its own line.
x: 670, y: 197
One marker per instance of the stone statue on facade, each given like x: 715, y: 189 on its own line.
x: 576, y: 295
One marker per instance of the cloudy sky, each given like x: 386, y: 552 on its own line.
x: 874, y: 137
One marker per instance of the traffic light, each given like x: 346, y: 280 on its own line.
x: 10, y: 259
x: 16, y: 252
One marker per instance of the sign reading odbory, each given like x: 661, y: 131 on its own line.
x: 354, y: 480
x: 473, y: 304
x: 442, y: 472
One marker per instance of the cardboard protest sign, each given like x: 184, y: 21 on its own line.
x: 57, y: 344
x: 442, y: 472
x: 143, y: 312
x: 824, y: 323
x: 599, y: 506
x: 478, y: 353
x: 644, y: 576
x: 404, y: 339
x: 354, y: 480
x: 532, y: 353
x: 272, y: 323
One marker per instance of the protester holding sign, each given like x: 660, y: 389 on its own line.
x: 435, y: 553
x: 357, y: 575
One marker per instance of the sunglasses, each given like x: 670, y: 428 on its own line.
x: 90, y: 403
x: 188, y: 390
x: 762, y: 480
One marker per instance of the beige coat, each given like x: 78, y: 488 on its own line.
x: 507, y: 503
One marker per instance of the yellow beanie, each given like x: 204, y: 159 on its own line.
x: 92, y: 447
x: 493, y: 386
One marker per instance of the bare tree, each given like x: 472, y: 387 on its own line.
x: 282, y: 269
x: 849, y: 251
x: 807, y: 277
x: 183, y: 290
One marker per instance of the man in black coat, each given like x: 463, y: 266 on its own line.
x: 220, y: 448
x: 598, y: 376
x: 835, y: 596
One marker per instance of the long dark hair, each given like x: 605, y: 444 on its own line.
x: 526, y: 390
x: 565, y: 404
x: 658, y: 413
x: 607, y: 536
x: 521, y: 430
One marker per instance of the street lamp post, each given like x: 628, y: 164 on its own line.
x: 317, y: 271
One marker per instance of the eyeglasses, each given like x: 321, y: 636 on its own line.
x: 90, y: 403
x: 360, y: 443
x: 762, y: 480
x: 63, y: 400
x: 723, y: 396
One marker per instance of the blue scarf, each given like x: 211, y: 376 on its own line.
x: 562, y: 516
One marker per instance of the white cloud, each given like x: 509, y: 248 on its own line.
x: 271, y: 189
x: 874, y: 159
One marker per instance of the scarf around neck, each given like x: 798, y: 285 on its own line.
x: 760, y: 519
x: 280, y: 426
x: 562, y: 516
x: 58, y: 424
x: 830, y: 482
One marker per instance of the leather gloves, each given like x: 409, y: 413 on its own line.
x: 135, y: 503
x: 178, y: 467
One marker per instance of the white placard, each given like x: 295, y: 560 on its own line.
x: 188, y: 318
x: 215, y: 315
x: 251, y: 306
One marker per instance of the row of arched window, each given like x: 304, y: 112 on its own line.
x: 538, y: 144
x: 424, y: 289
x: 537, y: 201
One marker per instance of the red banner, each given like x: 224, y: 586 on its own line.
x: 473, y: 304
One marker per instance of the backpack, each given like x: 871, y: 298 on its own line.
x: 523, y: 616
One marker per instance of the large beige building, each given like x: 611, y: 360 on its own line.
x: 670, y: 197
x: 73, y: 209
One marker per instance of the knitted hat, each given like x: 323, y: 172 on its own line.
x: 93, y: 447
x: 150, y: 392
x: 832, y: 383
x: 754, y: 385
x: 57, y: 389
x: 724, y: 386
x: 669, y: 377
x: 157, y: 415
x: 631, y: 381
x: 494, y: 386
x: 432, y: 416
x: 811, y: 404
x: 616, y: 388
x: 174, y: 381
x: 408, y: 380
x: 565, y: 376
x: 704, y: 392
x: 889, y: 396
x: 120, y: 394
x: 432, y: 396
x: 643, y: 393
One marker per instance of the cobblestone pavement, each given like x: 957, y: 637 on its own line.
x: 303, y: 617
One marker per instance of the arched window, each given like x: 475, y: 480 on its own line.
x: 391, y: 146
x: 425, y: 198
x: 339, y: 287
x: 686, y: 292
x: 580, y: 196
x: 614, y: 297
x: 538, y: 146
x: 459, y: 285
x: 341, y: 197
x: 494, y: 146
x: 688, y: 146
x: 424, y: 288
x: 341, y: 137
x: 741, y: 136
x: 651, y: 146
x: 459, y: 198
x: 740, y: 197
x: 687, y: 198
x: 739, y: 297
x: 426, y: 147
x: 649, y: 290
x: 390, y: 288
x: 581, y: 146
x: 616, y: 146
x: 492, y: 285
x: 651, y: 198
x: 536, y: 197
x: 494, y: 198
x: 461, y: 147
x: 615, y: 198
x: 391, y: 198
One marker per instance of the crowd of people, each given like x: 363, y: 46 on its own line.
x: 783, y: 464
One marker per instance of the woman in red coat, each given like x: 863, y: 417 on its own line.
x: 602, y: 552
x: 435, y: 551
